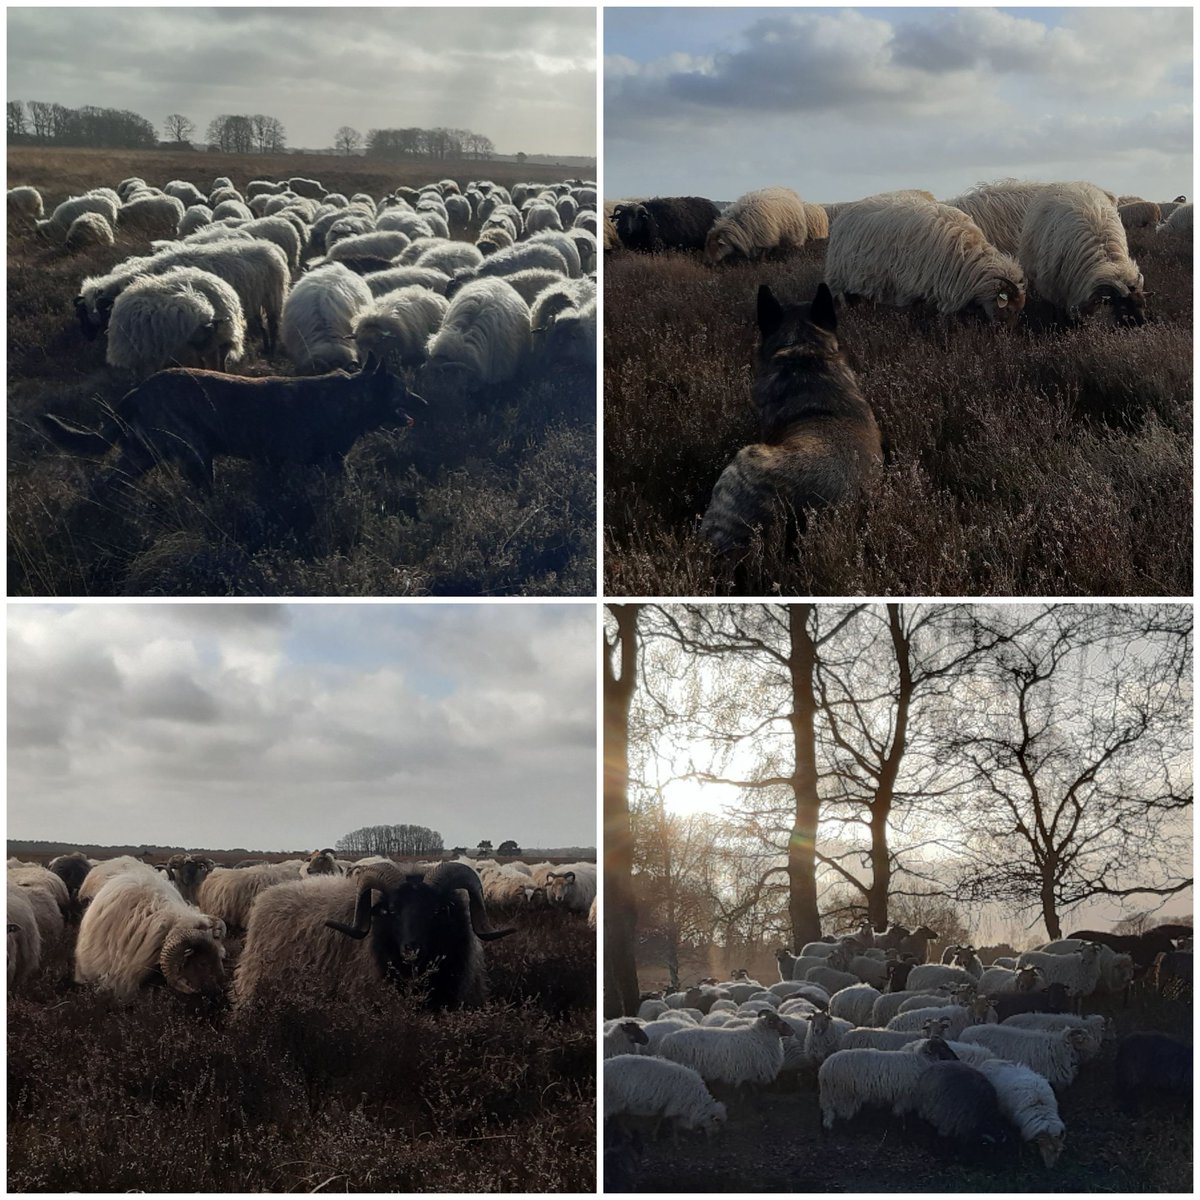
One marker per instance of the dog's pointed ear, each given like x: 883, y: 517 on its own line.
x: 823, y: 312
x: 770, y: 311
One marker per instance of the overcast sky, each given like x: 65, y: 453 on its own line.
x: 842, y: 103
x: 285, y: 726
x: 525, y: 77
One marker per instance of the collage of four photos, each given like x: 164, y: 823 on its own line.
x: 600, y: 599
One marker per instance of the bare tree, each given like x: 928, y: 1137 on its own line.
x: 1079, y: 745
x: 179, y: 128
x: 347, y: 140
x: 17, y: 127
x: 41, y: 117
x: 620, y: 913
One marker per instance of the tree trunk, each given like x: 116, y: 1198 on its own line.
x: 802, y: 877
x: 620, y: 913
x: 1049, y: 907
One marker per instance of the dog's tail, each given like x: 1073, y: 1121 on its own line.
x: 75, y: 437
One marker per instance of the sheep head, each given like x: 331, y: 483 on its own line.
x: 1050, y: 1146
x: 191, y: 962
x: 767, y: 1019
x: 634, y: 1033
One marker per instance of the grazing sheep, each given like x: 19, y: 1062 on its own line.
x: 542, y: 217
x: 664, y: 223
x: 230, y: 209
x: 319, y: 317
x: 523, y: 257
x: 735, y: 1056
x: 1150, y: 1064
x: 1054, y: 1054
x: 484, y: 340
x: 850, y: 1080
x: 187, y: 193
x: 24, y: 937
x: 72, y: 869
x: 1074, y: 253
x: 637, y: 1086
x: 187, y: 872
x: 386, y: 244
x: 193, y: 220
x: 155, y: 216
x: 55, y: 227
x: 397, y: 326
x: 1178, y: 222
x: 825, y: 1034
x: 87, y: 230
x: 767, y: 222
x: 903, y: 250
x: 854, y: 1003
x: 310, y: 189
x: 51, y: 901
x: 25, y: 203
x: 228, y: 893
x: 1097, y: 1027
x: 1140, y: 214
x: 161, y: 321
x: 623, y: 1037
x: 382, y: 282
x: 999, y: 210
x: 102, y: 872
x: 1028, y: 1102
x: 492, y: 239
x: 280, y: 231
x: 139, y: 925
x: 382, y: 924
x: 449, y: 257
x: 959, y: 1101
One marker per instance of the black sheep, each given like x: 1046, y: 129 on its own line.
x: 1152, y: 1063
x: 665, y: 223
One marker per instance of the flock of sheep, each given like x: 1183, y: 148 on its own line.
x: 144, y: 923
x: 984, y: 252
x: 474, y: 287
x: 978, y: 1052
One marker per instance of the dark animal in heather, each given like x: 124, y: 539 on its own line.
x: 1053, y: 999
x: 665, y: 223
x: 190, y: 417
x: 1150, y: 1064
x: 820, y: 441
x: 72, y: 869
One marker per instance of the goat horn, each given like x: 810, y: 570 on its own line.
x: 450, y: 876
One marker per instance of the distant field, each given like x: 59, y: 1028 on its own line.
x: 1049, y: 462
x: 497, y: 498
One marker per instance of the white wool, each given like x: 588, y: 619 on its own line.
x: 849, y: 1080
x: 1079, y: 971
x: 855, y: 1003
x: 637, y: 1086
x: 1028, y: 1101
x: 319, y: 318
x: 871, y: 1038
x: 771, y: 219
x: 1096, y: 1026
x: 1054, y: 1054
x: 752, y: 1054
x: 484, y: 338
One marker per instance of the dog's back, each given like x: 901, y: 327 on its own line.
x: 820, y: 441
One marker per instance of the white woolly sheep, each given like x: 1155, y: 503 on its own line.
x: 870, y: 1038
x: 963, y: 1051
x: 235, y: 209
x: 376, y: 244
x: 193, y: 219
x: 932, y: 975
x: 1054, y: 1054
x: 999, y: 209
x: 153, y: 216
x: 830, y: 978
x: 281, y: 232
x: 382, y: 282
x: 541, y: 217
x: 936, y: 997
x: 1002, y: 979
x: 572, y: 888
x: 967, y: 958
x: 54, y: 228
x: 319, y: 317
x: 804, y: 963
x: 484, y: 339
x: 1078, y: 971
x: 137, y: 925
x: 396, y: 327
x: 1139, y: 214
x: 228, y: 893
x: 102, y: 872
x: 869, y: 969
x: 854, y: 1003
x: 24, y: 937
x: 1178, y: 221
x: 1098, y: 1028
x: 651, y: 1008
x: 825, y: 1034
x: 51, y: 901
x: 637, y: 1086
x: 449, y: 257
x: 734, y: 1056
x: 187, y: 193
x: 1116, y: 969
x: 902, y: 250
x: 25, y: 203
x: 1028, y: 1101
x: 422, y: 245
x: 957, y: 1017
x: 89, y: 229
x: 770, y: 221
x: 850, y: 1080
x: 1074, y: 253
x: 563, y: 325
x: 309, y: 188
x: 522, y: 257
x: 824, y: 950
x: 623, y: 1037
x: 566, y: 245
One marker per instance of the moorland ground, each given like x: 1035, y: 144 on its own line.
x: 495, y: 497
x: 368, y: 1092
x: 1049, y: 461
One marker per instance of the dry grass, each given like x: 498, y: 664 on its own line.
x: 371, y: 1094
x: 1049, y: 462
x: 494, y: 499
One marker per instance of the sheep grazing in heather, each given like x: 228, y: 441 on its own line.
x: 1052, y: 1053
x: 319, y: 317
x: 155, y: 216
x: 228, y: 893
x: 1074, y: 253
x: 960, y: 1102
x: 56, y: 226
x: 1028, y: 1102
x: 87, y: 230
x: 1139, y: 214
x: 563, y: 325
x: 734, y: 1056
x: 1178, y: 222
x: 24, y: 937
x: 623, y: 1037
x: 637, y: 1086
x: 902, y: 251
x: 999, y: 209
x: 850, y: 1080
x: 25, y: 204
x: 162, y: 321
x: 770, y: 222
x: 139, y: 926
x: 50, y: 899
x: 1150, y: 1065
x: 397, y: 326
x: 664, y: 223
x: 484, y: 339
x: 72, y: 869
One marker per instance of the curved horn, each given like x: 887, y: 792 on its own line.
x: 450, y: 876
x: 177, y: 946
x: 374, y: 876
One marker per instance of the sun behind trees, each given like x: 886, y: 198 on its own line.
x: 814, y: 805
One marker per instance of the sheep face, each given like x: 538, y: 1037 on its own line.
x: 192, y: 962
x: 767, y: 1019
x: 320, y: 862
x: 1121, y: 307
x: 1050, y: 1146
x: 635, y: 226
x: 719, y: 246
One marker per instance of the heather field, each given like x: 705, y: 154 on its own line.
x: 1051, y: 461
x: 495, y: 497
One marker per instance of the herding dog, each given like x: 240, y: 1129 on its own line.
x: 820, y: 443
x: 189, y: 417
